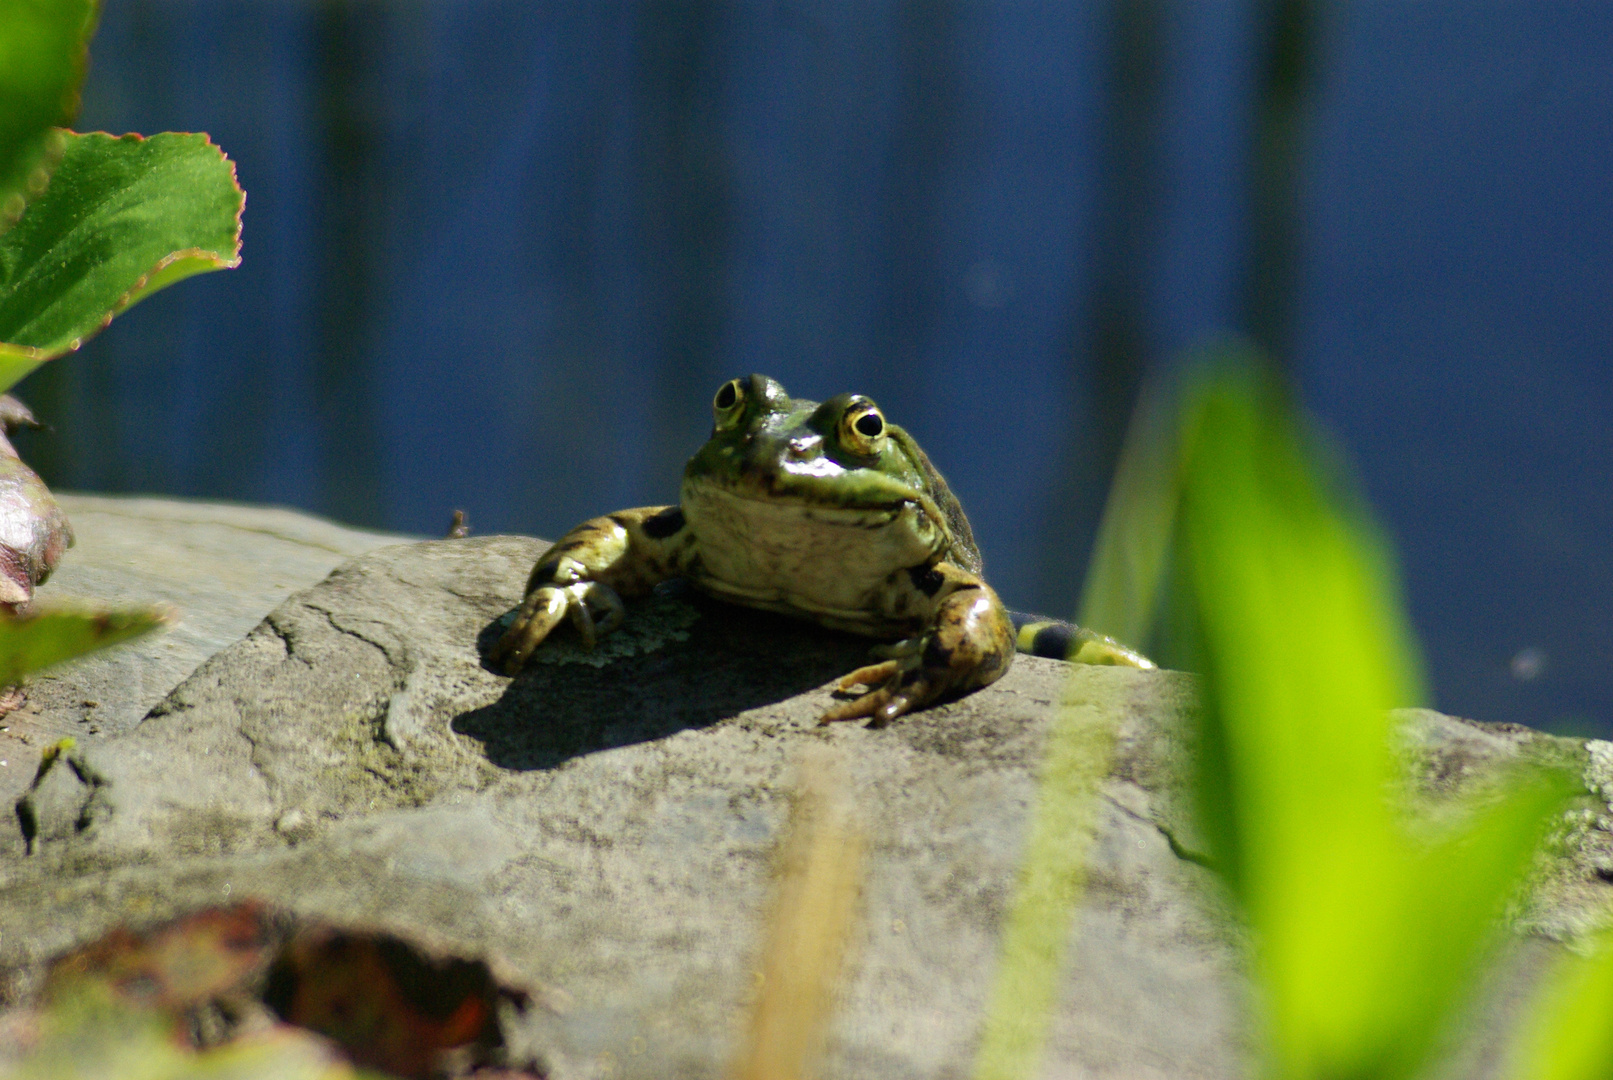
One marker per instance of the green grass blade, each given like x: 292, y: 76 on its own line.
x: 122, y: 218
x: 1302, y: 664
x: 1460, y: 887
x: 1031, y: 953
x: 42, y: 59
x: 1568, y: 1033
x: 30, y: 643
x: 1367, y: 943
x: 1121, y: 594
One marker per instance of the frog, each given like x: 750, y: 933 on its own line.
x: 825, y: 512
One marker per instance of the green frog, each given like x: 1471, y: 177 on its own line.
x: 825, y: 512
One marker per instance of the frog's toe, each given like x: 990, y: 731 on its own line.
x: 594, y: 609
x: 538, y: 614
x: 879, y: 707
x: 873, y: 675
x: 896, y: 650
x: 895, y: 687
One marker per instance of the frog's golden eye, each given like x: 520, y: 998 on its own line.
x: 862, y: 428
x: 729, y: 402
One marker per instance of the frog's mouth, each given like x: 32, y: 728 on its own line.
x: 804, y: 554
x: 761, y: 495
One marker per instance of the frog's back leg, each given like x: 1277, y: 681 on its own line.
x: 1058, y: 640
x: 586, y: 573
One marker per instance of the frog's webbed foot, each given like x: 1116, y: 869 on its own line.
x: 890, y: 689
x: 971, y: 645
x: 592, y: 607
x: 585, y: 574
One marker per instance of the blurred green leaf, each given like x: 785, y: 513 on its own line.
x: 91, y: 1034
x: 1121, y: 594
x: 42, y: 58
x: 1030, y: 957
x: 1304, y: 648
x: 122, y: 218
x: 29, y: 643
x: 1367, y: 942
x: 1568, y: 1033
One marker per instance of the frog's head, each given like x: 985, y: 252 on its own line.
x: 842, y: 454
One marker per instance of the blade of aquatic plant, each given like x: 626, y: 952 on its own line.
x: 30, y: 643
x: 820, y: 877
x: 1460, y: 888
x: 1304, y: 651
x: 122, y: 218
x: 1568, y: 1031
x: 1120, y: 596
x: 1031, y: 952
x: 1366, y: 944
x: 43, y: 48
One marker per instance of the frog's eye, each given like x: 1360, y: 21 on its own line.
x: 728, y: 403
x: 862, y: 428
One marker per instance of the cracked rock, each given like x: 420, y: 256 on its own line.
x: 608, y: 830
x: 57, y: 806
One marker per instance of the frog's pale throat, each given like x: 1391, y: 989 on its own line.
x: 826, y: 561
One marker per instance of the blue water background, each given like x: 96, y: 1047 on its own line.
x: 499, y: 254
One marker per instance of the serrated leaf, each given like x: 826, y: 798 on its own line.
x: 33, y: 642
x: 122, y: 217
x: 42, y: 58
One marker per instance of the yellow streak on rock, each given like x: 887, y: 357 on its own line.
x: 819, y: 878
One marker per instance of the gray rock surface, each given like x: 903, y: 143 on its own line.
x: 607, y: 828
x: 221, y: 567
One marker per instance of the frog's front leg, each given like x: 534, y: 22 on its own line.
x: 969, y: 644
x: 586, y: 573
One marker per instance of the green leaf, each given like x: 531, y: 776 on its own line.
x: 1568, y: 1033
x: 1367, y: 942
x: 29, y: 643
x: 42, y: 58
x: 122, y: 218
x: 1126, y: 574
x: 91, y: 1033
x: 1030, y: 957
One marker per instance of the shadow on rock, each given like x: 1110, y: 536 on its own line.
x: 696, y: 662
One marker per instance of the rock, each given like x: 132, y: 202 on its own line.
x: 606, y: 825
x: 222, y: 567
x: 55, y: 806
